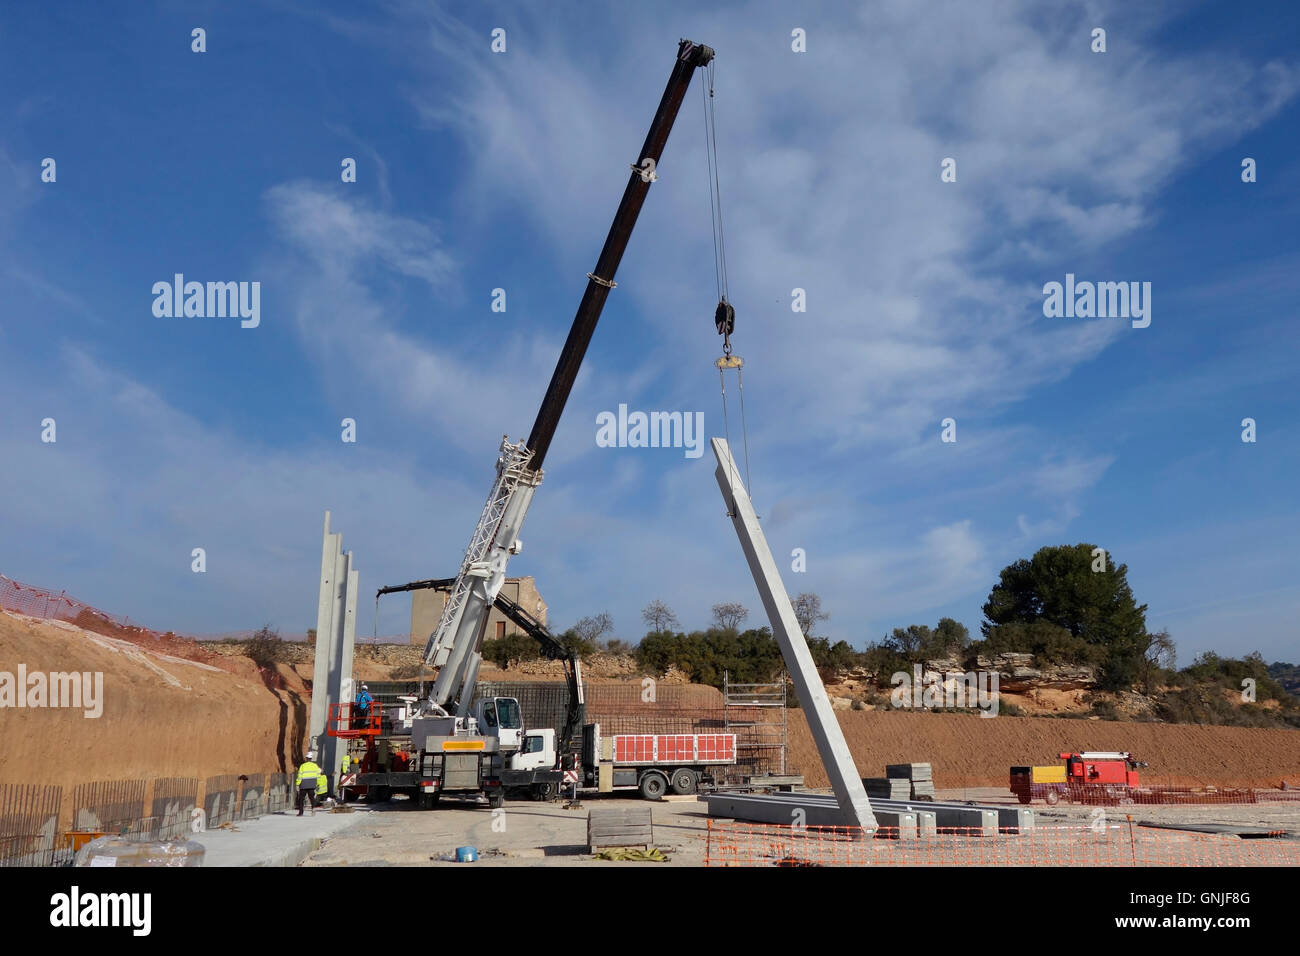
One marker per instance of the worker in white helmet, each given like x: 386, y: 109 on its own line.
x: 308, y: 776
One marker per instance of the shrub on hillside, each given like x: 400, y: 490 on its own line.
x: 749, y: 657
x: 1049, y: 643
x: 265, y: 648
x: 513, y: 647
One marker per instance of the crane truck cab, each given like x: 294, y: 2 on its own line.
x: 500, y: 717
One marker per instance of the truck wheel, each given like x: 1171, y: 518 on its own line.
x: 653, y: 785
x: 496, y: 799
x: 1052, y: 798
x: 544, y: 792
x: 685, y: 782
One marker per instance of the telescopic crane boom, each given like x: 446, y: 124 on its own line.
x: 455, y: 646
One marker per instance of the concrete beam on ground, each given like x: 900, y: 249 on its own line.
x: 1009, y: 819
x: 981, y: 819
x: 855, y: 807
x: 809, y: 809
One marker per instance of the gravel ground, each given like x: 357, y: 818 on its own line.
x: 538, y: 834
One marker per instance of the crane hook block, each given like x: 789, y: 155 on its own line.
x: 724, y: 317
x: 730, y: 361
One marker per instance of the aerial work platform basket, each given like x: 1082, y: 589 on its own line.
x: 349, y: 721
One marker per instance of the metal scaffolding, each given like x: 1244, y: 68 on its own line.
x: 756, y: 714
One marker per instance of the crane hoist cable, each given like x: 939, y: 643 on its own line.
x: 724, y: 316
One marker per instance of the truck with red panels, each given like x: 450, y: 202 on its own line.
x: 652, y: 764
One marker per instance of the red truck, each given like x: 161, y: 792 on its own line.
x: 1086, y: 777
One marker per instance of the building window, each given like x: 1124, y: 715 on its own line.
x: 501, y: 628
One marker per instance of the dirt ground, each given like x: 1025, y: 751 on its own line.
x: 967, y: 750
x: 527, y: 834
x: 537, y: 834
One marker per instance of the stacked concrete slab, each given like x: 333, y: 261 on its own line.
x: 919, y: 777
x: 888, y: 788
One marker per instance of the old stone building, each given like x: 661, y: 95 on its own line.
x: 426, y: 609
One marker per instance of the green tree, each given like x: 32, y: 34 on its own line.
x: 1059, y: 586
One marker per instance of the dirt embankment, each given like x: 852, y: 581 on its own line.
x: 162, y: 714
x: 967, y: 750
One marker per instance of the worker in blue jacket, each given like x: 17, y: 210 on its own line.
x: 361, y: 708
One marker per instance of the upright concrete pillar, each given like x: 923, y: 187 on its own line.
x: 855, y: 807
x: 335, y: 637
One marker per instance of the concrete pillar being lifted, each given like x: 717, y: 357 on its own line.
x: 854, y: 805
x: 335, y: 638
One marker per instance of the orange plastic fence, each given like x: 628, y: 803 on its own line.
x: 1127, y: 844
x: 58, y: 606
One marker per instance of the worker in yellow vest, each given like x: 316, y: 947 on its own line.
x: 309, y: 775
x: 322, y: 789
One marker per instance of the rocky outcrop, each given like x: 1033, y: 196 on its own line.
x: 1020, y: 673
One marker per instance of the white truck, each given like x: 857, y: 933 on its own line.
x: 652, y: 764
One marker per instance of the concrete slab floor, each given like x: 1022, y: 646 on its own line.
x: 525, y: 834
x: 278, y: 839
x: 1273, y: 815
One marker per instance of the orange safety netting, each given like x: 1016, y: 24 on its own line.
x: 1127, y: 844
x: 50, y: 605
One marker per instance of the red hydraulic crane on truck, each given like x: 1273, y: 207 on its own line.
x: 1090, y: 776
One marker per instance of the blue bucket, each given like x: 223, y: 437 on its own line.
x: 466, y: 854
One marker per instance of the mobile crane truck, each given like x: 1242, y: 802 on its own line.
x: 450, y: 748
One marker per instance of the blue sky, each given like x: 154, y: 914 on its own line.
x: 479, y: 170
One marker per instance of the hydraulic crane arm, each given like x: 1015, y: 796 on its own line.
x: 455, y: 646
